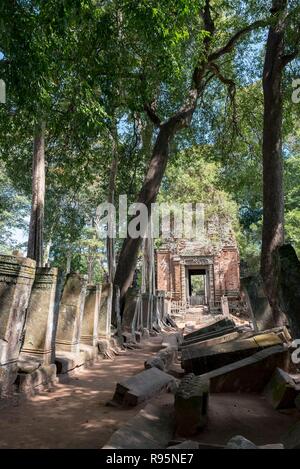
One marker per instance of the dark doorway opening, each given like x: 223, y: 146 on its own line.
x: 197, y: 286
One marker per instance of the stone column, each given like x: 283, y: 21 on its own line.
x: 90, y: 320
x: 16, y: 280
x: 105, y: 311
x: 71, y: 313
x: 40, y: 316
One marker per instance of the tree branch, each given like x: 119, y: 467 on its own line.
x: 235, y: 38
x: 152, y: 114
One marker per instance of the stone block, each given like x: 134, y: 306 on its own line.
x: 163, y: 359
x: 282, y: 390
x: 240, y: 442
x: 42, y: 378
x: 138, y: 388
x: 16, y: 280
x: 200, y: 360
x: 71, y: 314
x: 67, y: 362
x: 128, y: 317
x: 104, y: 323
x: 151, y: 428
x: 191, y: 405
x: 220, y: 339
x: 214, y: 326
x: 89, y: 330
x: 250, y: 374
x: 40, y: 316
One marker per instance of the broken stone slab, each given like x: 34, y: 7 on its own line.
x: 250, y: 374
x: 211, y: 328
x: 282, y: 390
x: 163, y: 359
x: 240, y: 442
x: 16, y: 280
x: 141, y: 387
x: 151, y: 428
x: 220, y: 339
x: 200, y: 360
x: 191, y: 405
x: 291, y: 439
x: 210, y: 335
x: 39, y: 326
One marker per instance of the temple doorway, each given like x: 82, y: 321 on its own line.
x: 197, y: 286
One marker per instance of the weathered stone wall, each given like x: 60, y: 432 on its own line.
x: 227, y: 273
x: 164, y: 273
x: 16, y: 280
x: 40, y: 316
x: 89, y: 331
x: 71, y: 313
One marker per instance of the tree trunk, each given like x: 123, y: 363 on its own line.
x: 111, y: 199
x: 35, y: 240
x: 273, y: 197
x: 130, y: 249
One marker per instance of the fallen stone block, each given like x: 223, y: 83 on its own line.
x: 240, y: 442
x: 211, y: 328
x: 282, y: 390
x: 191, y: 405
x: 163, y: 359
x: 291, y: 439
x: 200, y: 360
x: 151, y: 428
x: 203, y: 342
x: 142, y: 386
x: 250, y: 374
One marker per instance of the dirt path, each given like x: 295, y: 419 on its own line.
x: 74, y: 415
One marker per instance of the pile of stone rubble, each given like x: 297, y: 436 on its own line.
x: 220, y: 357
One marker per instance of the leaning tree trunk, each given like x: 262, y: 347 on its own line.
x: 35, y: 240
x: 273, y: 197
x: 130, y: 249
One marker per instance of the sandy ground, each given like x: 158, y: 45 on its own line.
x: 74, y: 415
